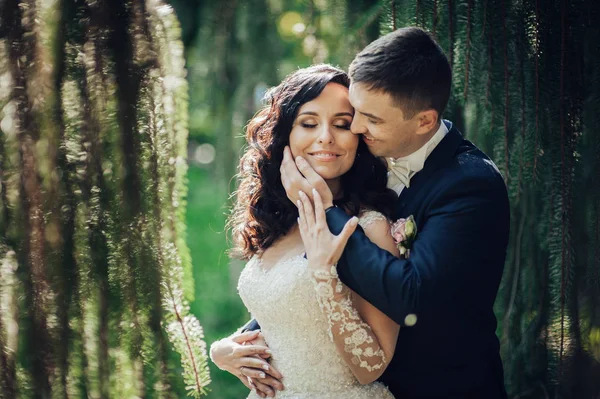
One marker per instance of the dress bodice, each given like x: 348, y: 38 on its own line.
x: 282, y: 300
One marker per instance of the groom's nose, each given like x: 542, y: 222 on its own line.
x: 358, y: 126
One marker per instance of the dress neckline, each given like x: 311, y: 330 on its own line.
x: 259, y: 262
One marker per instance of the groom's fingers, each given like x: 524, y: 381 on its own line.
x: 249, y: 350
x: 263, y: 389
x: 315, y: 181
x: 259, y: 340
x: 245, y: 336
x: 273, y: 372
x: 255, y: 372
x: 257, y: 364
x: 245, y: 381
x: 291, y: 178
x: 271, y: 382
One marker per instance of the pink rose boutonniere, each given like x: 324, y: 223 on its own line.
x: 404, y: 232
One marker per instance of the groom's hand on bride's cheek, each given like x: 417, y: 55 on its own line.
x: 315, y: 181
x: 297, y: 175
x: 291, y: 178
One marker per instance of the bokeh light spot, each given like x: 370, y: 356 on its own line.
x: 287, y: 22
x: 205, y: 153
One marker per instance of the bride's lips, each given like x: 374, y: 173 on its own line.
x: 324, y: 156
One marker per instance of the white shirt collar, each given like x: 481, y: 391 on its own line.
x: 404, y: 168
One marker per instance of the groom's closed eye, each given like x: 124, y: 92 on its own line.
x: 372, y: 118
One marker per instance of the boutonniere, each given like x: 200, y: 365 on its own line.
x: 404, y: 232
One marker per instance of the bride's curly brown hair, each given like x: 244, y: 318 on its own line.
x: 262, y: 212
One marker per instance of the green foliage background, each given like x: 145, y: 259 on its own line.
x: 94, y: 267
x: 93, y: 147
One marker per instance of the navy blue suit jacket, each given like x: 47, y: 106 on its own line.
x: 460, y: 204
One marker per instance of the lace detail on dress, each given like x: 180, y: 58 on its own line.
x: 335, y: 300
x: 366, y: 217
x: 283, y: 301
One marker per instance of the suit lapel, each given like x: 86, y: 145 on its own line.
x: 440, y: 156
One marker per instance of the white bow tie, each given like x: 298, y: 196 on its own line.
x: 401, y: 170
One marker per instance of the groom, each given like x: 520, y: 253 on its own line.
x: 443, y: 294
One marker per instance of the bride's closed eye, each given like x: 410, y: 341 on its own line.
x: 345, y: 126
x: 337, y: 123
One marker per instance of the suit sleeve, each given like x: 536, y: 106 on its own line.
x: 465, y: 225
x: 252, y: 325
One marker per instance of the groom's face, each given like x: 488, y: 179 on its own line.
x: 380, y: 122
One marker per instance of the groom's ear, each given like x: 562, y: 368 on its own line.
x: 426, y: 121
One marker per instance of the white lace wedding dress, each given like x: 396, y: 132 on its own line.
x: 283, y: 301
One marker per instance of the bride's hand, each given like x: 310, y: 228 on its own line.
x: 323, y: 249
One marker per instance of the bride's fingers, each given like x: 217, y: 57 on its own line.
x: 320, y: 220
x: 307, y: 208
x: 302, y: 223
x: 342, y: 239
x: 303, y: 232
x: 302, y: 220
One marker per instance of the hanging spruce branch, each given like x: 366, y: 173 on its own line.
x: 91, y: 234
x: 468, y: 49
x: 528, y: 92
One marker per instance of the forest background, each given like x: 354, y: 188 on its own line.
x: 117, y: 168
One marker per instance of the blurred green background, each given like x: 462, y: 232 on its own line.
x: 93, y: 144
x: 216, y: 302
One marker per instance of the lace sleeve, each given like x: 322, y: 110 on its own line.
x: 367, y: 217
x: 354, y: 338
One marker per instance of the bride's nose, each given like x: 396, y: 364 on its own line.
x: 325, y: 136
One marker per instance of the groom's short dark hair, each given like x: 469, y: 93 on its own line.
x: 408, y: 65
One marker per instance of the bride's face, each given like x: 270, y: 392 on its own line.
x: 321, y: 133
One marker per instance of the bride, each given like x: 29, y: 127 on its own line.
x: 324, y: 339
